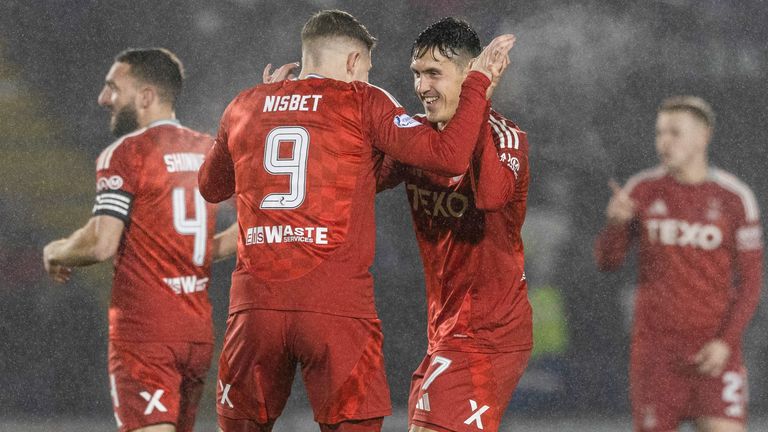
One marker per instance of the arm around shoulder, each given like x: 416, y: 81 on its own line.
x: 448, y: 152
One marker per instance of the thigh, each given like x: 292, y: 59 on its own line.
x: 197, y: 361
x: 145, y: 384
x: 342, y: 364
x: 255, y: 370
x: 722, y: 397
x: 659, y: 389
x: 463, y: 391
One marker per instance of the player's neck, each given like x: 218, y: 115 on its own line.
x: 693, y: 173
x: 152, y: 115
x: 328, y: 63
x: 325, y: 72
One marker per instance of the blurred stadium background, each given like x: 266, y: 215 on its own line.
x: 585, y: 81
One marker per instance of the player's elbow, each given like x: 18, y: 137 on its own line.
x: 214, y: 191
x: 452, y: 168
x: 212, y: 195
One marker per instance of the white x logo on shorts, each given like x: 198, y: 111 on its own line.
x: 153, y: 401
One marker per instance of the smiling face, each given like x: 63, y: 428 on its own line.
x: 437, y: 81
x: 119, y: 97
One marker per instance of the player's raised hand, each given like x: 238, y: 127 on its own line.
x: 712, y: 357
x: 494, y: 59
x: 57, y: 272
x: 621, y: 208
x: 282, y: 73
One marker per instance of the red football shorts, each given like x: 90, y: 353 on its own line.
x: 341, y: 361
x: 453, y: 391
x: 666, y: 389
x: 157, y: 382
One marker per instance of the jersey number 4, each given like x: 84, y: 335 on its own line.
x: 198, y: 226
x: 295, y: 166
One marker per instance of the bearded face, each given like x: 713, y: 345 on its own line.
x: 118, y: 96
x: 124, y: 120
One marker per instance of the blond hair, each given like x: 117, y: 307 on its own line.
x: 691, y: 104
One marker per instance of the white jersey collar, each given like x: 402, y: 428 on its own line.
x: 163, y: 122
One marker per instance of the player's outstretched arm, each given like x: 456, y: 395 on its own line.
x: 97, y: 241
x: 225, y: 243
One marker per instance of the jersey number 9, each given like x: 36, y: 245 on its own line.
x: 295, y: 166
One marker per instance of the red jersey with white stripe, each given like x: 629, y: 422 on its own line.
x: 469, y: 232
x: 700, y: 252
x: 148, y: 179
x: 300, y: 157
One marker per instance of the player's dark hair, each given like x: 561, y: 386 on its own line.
x: 451, y: 37
x: 336, y: 23
x: 690, y: 104
x: 157, y: 66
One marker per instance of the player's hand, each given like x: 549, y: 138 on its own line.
x: 56, y: 271
x: 712, y: 357
x: 282, y: 73
x: 621, y: 208
x: 494, y: 59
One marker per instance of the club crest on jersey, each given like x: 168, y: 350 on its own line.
x: 286, y: 234
x: 658, y: 208
x: 714, y: 210
x: 512, y: 162
x: 405, y: 121
x: 114, y: 182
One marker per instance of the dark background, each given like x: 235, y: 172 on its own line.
x: 585, y: 80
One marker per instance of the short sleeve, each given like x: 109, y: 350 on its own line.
x: 116, y: 182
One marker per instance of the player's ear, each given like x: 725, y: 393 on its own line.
x: 353, y: 62
x: 147, y: 96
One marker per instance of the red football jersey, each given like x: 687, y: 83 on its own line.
x: 148, y: 179
x: 300, y: 156
x: 468, y: 229
x: 694, y: 241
